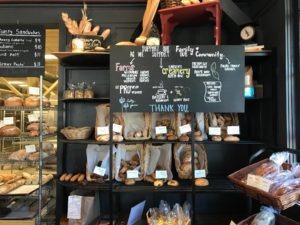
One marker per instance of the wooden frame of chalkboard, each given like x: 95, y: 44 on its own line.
x: 22, y: 50
x: 177, y: 78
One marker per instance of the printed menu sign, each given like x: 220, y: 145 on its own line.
x: 177, y: 79
x: 22, y: 50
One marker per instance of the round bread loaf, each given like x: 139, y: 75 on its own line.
x: 13, y: 101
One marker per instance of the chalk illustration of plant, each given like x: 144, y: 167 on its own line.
x: 122, y: 101
x: 126, y: 106
x: 213, y: 69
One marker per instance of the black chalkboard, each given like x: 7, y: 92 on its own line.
x: 177, y: 79
x: 22, y: 50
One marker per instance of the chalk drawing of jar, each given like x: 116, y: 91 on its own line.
x: 212, y: 91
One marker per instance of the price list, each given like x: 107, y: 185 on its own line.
x: 22, y: 50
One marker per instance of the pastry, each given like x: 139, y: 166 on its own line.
x: 68, y: 177
x: 186, y: 2
x: 201, y: 182
x: 266, y: 169
x: 32, y: 101
x: 33, y: 133
x: 10, y: 131
x: 75, y: 177
x: 173, y: 183
x: 172, y: 138
x: 161, y: 137
x: 158, y: 183
x: 7, y: 177
x: 118, y: 138
x: 231, y: 139
x: 149, y: 179
x: 198, y: 138
x: 81, y: 178
x: 18, y: 155
x: 130, y: 182
x: 184, y: 138
x: 138, y: 134
x: 34, y: 156
x: 63, y: 177
x: 13, y: 101
x: 216, y: 138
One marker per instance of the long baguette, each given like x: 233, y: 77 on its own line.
x: 6, y: 188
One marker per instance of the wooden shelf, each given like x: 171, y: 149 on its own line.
x: 87, y: 100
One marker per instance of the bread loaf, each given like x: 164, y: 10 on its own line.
x: 34, y: 101
x: 231, y: 139
x: 6, y: 188
x: 10, y: 131
x: 266, y: 169
x: 34, y: 156
x: 18, y: 155
x: 1, y: 102
x: 7, y: 177
x: 13, y: 101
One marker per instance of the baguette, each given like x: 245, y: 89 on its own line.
x: 14, y: 180
x: 7, y: 177
x: 6, y: 188
x: 75, y: 177
x: 63, y: 177
x: 81, y: 178
x: 68, y: 177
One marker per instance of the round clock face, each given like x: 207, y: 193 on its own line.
x: 247, y: 33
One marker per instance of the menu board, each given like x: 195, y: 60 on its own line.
x: 22, y: 50
x: 177, y: 79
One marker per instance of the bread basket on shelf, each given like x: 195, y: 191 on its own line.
x: 73, y: 133
x: 169, y: 3
x: 280, y: 220
x: 281, y: 202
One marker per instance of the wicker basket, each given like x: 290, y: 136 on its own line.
x: 280, y: 220
x: 281, y: 202
x: 169, y: 3
x: 73, y: 133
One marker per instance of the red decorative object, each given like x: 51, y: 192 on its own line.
x: 181, y: 15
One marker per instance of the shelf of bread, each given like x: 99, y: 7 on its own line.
x: 26, y: 137
x: 27, y: 108
x: 88, y: 100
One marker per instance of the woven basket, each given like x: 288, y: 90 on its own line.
x: 281, y: 202
x: 169, y: 3
x: 280, y: 220
x: 73, y: 133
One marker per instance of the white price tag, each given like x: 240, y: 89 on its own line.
x: 74, y: 207
x: 132, y: 174
x: 9, y: 120
x: 214, y: 130
x: 30, y: 148
x: 161, y: 174
x: 2, y: 123
x: 34, y: 91
x: 160, y: 130
x: 200, y: 173
x: 102, y: 130
x: 185, y: 129
x: 99, y: 171
x: 259, y: 182
x: 232, y: 223
x: 117, y: 128
x: 33, y: 118
x: 233, y: 130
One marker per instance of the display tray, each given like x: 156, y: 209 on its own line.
x: 25, y: 137
x: 84, y: 58
x: 25, y: 108
x: 280, y: 202
x: 24, y: 190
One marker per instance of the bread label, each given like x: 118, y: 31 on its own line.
x: 259, y: 182
x: 214, y: 130
x: 2, y: 123
x: 9, y: 120
x: 99, y: 171
x: 160, y: 130
x: 161, y: 174
x: 33, y: 118
x: 74, y: 207
x: 30, y: 148
x: 132, y: 174
x: 102, y: 130
x: 232, y: 223
x: 117, y: 128
x: 200, y: 173
x: 34, y: 91
x: 185, y: 129
x: 233, y: 130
